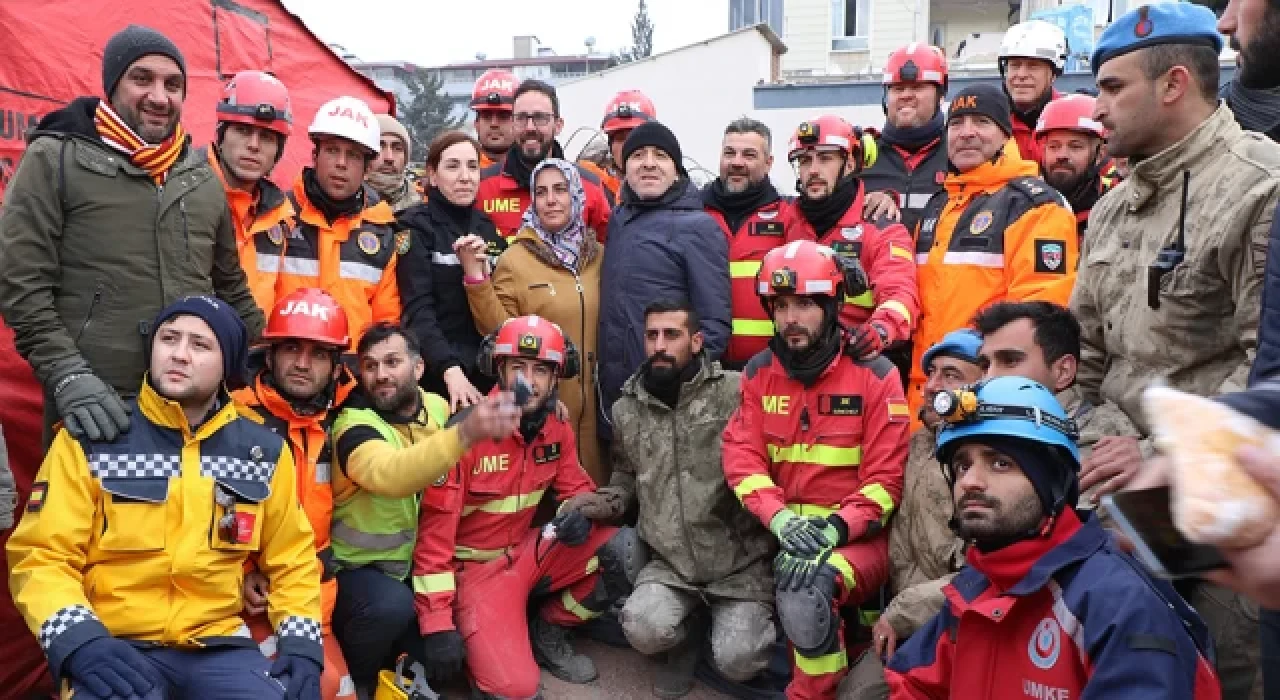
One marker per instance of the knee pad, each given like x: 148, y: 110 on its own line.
x: 621, y: 559
x: 809, y: 617
x: 647, y: 636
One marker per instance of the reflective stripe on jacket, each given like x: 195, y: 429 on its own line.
x: 262, y: 220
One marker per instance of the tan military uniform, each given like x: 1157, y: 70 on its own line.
x: 1203, y: 338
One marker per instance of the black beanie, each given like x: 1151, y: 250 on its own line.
x: 652, y: 133
x: 985, y: 99
x: 1039, y: 464
x: 130, y: 44
x: 227, y: 327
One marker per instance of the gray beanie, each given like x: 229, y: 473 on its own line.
x: 130, y: 44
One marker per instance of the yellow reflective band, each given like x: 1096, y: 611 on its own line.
x: 824, y: 455
x: 510, y: 504
x: 469, y: 554
x: 866, y: 300
x: 842, y: 565
x: 433, y: 583
x: 807, y: 509
x: 869, y: 617
x: 592, y: 564
x: 753, y: 483
x: 834, y: 662
x: 752, y: 327
x: 877, y: 493
x: 744, y: 268
x: 900, y: 252
x: 576, y: 608
x: 899, y: 308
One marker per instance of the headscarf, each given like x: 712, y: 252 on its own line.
x: 567, y: 244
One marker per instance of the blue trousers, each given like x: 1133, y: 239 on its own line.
x: 373, y: 620
x: 219, y: 673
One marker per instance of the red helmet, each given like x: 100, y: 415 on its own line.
x: 826, y: 133
x: 495, y: 91
x: 803, y: 268
x: 627, y: 110
x: 1070, y: 112
x: 531, y: 337
x: 917, y: 63
x: 308, y: 314
x: 256, y: 98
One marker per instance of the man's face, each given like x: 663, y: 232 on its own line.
x: 494, y: 129
x: 1027, y: 80
x: 972, y: 140
x: 1128, y: 106
x: 1067, y: 157
x: 186, y: 361
x: 541, y: 377
x: 819, y: 171
x: 1012, y: 351
x: 616, y: 141
x: 392, y: 157
x: 536, y: 126
x: 798, y: 320
x: 389, y: 374
x: 744, y: 161
x: 249, y: 152
x: 302, y: 369
x: 149, y: 97
x: 993, y: 498
x: 1254, y: 28
x: 650, y: 172
x: 668, y: 344
x: 340, y: 167
x: 912, y: 104
x: 946, y: 374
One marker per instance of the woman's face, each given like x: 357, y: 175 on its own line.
x: 458, y: 174
x: 551, y: 200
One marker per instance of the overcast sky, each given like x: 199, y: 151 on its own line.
x: 435, y: 32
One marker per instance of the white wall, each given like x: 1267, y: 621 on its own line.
x: 696, y: 90
x: 807, y: 35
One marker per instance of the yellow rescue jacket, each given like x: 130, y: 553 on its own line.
x: 122, y: 538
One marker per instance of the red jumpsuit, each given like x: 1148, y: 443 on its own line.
x: 885, y: 250
x: 838, y: 447
x: 766, y: 229
x: 477, y: 557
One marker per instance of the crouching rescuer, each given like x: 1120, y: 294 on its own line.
x: 816, y: 452
x: 479, y: 561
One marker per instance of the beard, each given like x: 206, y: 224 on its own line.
x: 1259, y: 63
x: 404, y: 398
x: 665, y: 372
x: 810, y: 338
x: 1064, y: 181
x: 132, y: 116
x: 1000, y: 522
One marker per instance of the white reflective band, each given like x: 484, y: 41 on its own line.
x: 818, y: 287
x: 359, y: 271
x: 1087, y: 123
x: 994, y: 260
x: 322, y: 472
x: 931, y: 76
x: 922, y: 258
x: 309, y: 267
x: 911, y: 48
x: 792, y: 249
x: 502, y: 349
x: 268, y: 263
x: 1067, y: 620
x: 834, y: 140
x: 917, y: 200
x: 888, y: 77
x: 441, y: 259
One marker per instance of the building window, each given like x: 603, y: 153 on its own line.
x: 748, y: 13
x: 850, y: 25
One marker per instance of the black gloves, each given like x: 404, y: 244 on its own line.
x: 443, y: 653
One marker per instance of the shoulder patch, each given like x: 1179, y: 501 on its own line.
x: 39, y: 492
x: 1051, y: 256
x: 493, y: 170
x: 880, y: 365
x: 758, y: 362
x: 402, y: 243
x: 1035, y: 189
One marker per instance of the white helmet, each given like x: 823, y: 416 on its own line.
x: 1035, y: 38
x: 349, y: 118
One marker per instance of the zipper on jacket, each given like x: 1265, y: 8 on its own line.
x: 88, y: 317
x: 186, y: 233
x: 582, y: 325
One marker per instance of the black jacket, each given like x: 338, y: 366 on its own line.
x: 431, y: 291
x: 1267, y: 363
x: 914, y: 187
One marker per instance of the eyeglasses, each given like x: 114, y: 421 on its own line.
x: 538, y: 118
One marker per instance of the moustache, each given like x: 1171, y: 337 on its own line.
x: 795, y: 328
x: 979, y: 499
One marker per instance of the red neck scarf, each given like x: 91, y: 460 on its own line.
x: 156, y: 160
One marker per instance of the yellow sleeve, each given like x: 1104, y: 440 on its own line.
x: 378, y: 467
x: 492, y: 301
x: 288, y: 559
x: 1042, y: 252
x: 48, y: 551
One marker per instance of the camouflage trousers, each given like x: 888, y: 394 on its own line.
x: 656, y: 619
x: 1233, y: 623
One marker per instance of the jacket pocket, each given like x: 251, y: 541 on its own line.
x: 237, y: 514
x: 98, y: 298
x: 134, y: 514
x: 443, y: 495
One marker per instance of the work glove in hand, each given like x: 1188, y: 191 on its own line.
x: 602, y: 504
x: 869, y: 340
x: 443, y: 654
x: 89, y: 408
x: 572, y: 527
x: 803, y: 537
x: 300, y: 676
x: 109, y: 667
x: 792, y: 573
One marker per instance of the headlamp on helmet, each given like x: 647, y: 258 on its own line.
x: 962, y: 406
x: 783, y: 280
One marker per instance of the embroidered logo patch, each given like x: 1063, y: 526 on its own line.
x: 369, y: 243
x: 1045, y: 644
x: 546, y: 453
x: 402, y: 243
x: 1050, y: 257
x: 852, y: 233
x: 275, y: 234
x: 981, y: 222
x: 898, y: 411
x: 840, y: 405
x: 39, y: 491
x: 767, y: 228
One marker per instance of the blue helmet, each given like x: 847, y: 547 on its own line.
x: 1011, y: 407
x: 963, y: 343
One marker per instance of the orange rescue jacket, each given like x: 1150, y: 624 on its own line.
x: 262, y: 219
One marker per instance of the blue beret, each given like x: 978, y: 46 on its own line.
x: 1161, y: 23
x: 962, y: 344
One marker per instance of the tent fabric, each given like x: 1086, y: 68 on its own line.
x: 53, y: 54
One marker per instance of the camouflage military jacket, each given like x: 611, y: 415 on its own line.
x: 1203, y: 336
x: 668, y: 461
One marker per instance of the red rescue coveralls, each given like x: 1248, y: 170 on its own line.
x: 838, y: 447
x: 478, y: 559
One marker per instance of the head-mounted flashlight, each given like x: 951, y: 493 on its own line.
x: 807, y: 133
x: 783, y: 280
